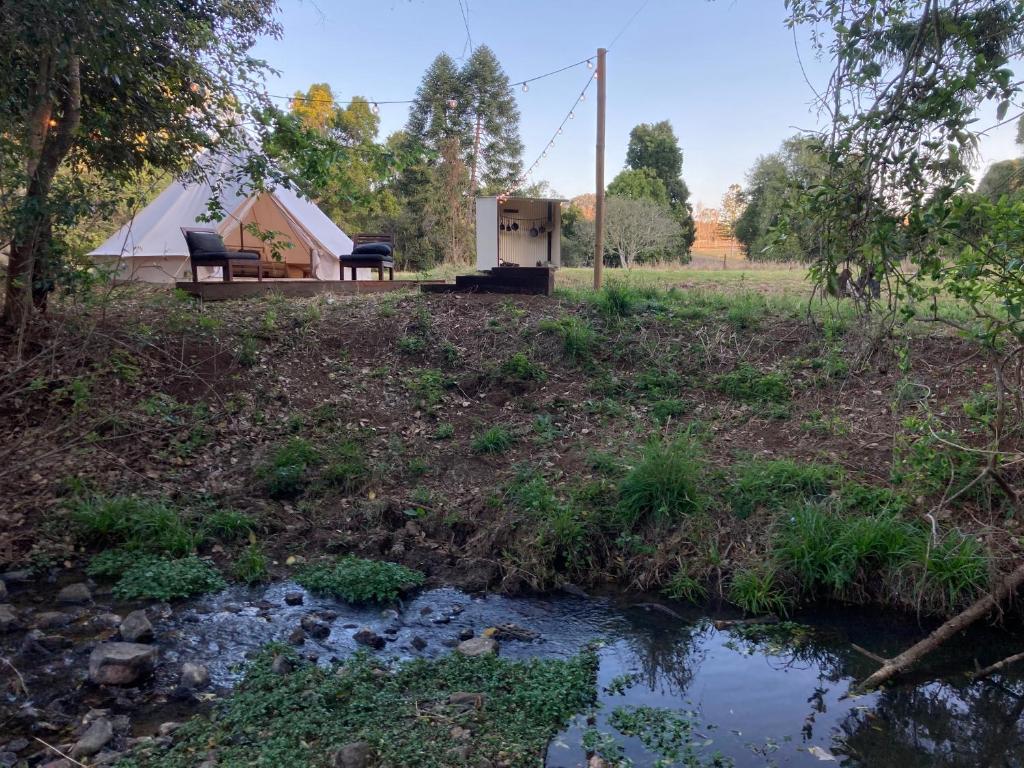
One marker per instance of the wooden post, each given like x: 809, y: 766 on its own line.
x: 599, y: 176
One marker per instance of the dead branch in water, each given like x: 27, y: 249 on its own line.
x: 998, y: 666
x: 980, y: 608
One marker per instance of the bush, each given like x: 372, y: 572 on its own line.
x: 162, y: 579
x: 750, y: 385
x: 494, y: 440
x: 663, y: 486
x: 358, y: 581
x: 778, y: 483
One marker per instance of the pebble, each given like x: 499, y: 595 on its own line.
x: 52, y: 619
x: 281, y: 665
x: 136, y: 627
x: 166, y: 729
x: 297, y: 637
x: 466, y: 634
x: 294, y: 598
x: 3, y: 590
x: 8, y: 619
x: 419, y: 643
x: 75, y: 594
x: 314, y: 627
x: 355, y: 755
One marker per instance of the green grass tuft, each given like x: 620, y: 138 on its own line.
x: 757, y: 591
x: 497, y: 439
x: 252, y: 566
x: 287, y: 473
x: 777, y: 484
x: 663, y: 486
x: 579, y: 339
x: 749, y: 385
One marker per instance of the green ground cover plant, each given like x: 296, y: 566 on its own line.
x: 359, y: 581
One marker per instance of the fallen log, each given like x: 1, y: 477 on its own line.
x: 978, y: 609
x: 999, y: 665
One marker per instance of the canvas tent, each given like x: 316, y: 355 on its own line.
x: 150, y: 248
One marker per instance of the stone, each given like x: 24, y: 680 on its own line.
x: 294, y: 598
x: 194, y: 676
x: 419, y: 643
x: 297, y: 636
x: 8, y: 619
x: 281, y: 665
x: 136, y: 627
x: 17, y: 577
x: 368, y: 637
x: 465, y: 634
x: 75, y: 594
x: 52, y: 619
x: 464, y: 700
x: 8, y: 758
x: 94, y: 739
x: 315, y: 628
x: 358, y: 754
x: 121, y: 663
x: 166, y: 729
x: 425, y: 610
x: 109, y: 620
x: 478, y: 646
x: 3, y: 590
x: 17, y: 745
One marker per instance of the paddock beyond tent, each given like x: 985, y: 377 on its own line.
x: 151, y: 248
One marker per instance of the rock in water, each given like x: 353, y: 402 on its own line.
x: 94, y: 739
x: 52, y: 620
x: 75, y: 594
x: 3, y: 590
x: 281, y: 665
x: 478, y: 646
x: 121, y: 663
x: 194, y: 676
x: 314, y: 627
x: 8, y: 619
x: 369, y: 638
x: 419, y: 643
x: 293, y: 598
x: 355, y: 755
x: 136, y: 627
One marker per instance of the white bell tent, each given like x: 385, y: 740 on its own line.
x: 150, y: 248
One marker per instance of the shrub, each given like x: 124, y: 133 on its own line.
x: 495, y: 440
x: 412, y: 344
x: 756, y: 590
x: 162, y: 579
x: 663, y: 486
x: 750, y: 385
x: 777, y: 483
x: 358, y: 581
x: 287, y: 472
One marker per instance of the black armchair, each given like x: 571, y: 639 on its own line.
x: 206, y: 249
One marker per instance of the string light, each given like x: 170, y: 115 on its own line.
x: 590, y: 63
x: 572, y: 115
x: 526, y: 88
x: 375, y: 108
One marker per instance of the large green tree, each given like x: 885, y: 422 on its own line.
x: 639, y: 184
x: 117, y: 88
x: 496, y: 154
x: 655, y: 146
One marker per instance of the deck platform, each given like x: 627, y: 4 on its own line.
x: 239, y: 289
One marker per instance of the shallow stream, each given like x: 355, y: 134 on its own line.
x: 760, y: 698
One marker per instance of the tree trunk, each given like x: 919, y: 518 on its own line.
x: 980, y: 608
x: 999, y: 665
x: 34, y: 223
x: 473, y: 185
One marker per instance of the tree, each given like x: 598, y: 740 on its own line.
x: 115, y: 87
x: 774, y: 185
x: 639, y: 184
x: 635, y: 229
x: 1005, y: 177
x: 439, y: 110
x: 734, y: 201
x: 656, y: 147
x: 496, y: 155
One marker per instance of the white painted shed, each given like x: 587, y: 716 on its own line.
x: 518, y: 231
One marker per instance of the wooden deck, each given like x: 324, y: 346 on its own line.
x: 240, y: 289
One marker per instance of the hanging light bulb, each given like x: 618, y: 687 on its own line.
x: 583, y: 96
x: 375, y: 108
x: 526, y: 87
x: 590, y: 63
x: 559, y: 131
x: 572, y: 115
x: 595, y: 75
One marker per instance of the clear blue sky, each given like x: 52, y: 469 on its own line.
x: 725, y: 73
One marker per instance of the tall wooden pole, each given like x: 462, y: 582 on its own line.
x: 599, y: 197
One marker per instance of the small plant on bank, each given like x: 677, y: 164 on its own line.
x: 359, y: 581
x: 495, y: 440
x: 445, y: 431
x: 757, y: 591
x: 227, y: 525
x: 663, y: 486
x: 135, y: 523
x: 345, y: 466
x: 519, y: 368
x: 252, y: 565
x: 411, y: 344
x: 163, y: 579
x: 750, y: 385
x: 287, y: 473
x: 672, y: 408
x: 428, y: 388
x: 682, y: 586
x: 579, y: 339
